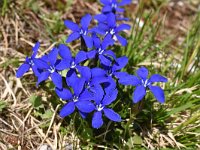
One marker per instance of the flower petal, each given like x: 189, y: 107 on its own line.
x: 73, y: 36
x: 63, y: 64
x: 121, y: 75
x: 106, y: 9
x: 88, y: 41
x: 129, y: 80
x: 121, y: 39
x: 80, y: 57
x: 85, y: 72
x: 110, y: 114
x: 36, y: 71
x: 105, y: 60
x: 139, y: 93
x: 65, y: 52
x: 43, y: 76
x: 67, y: 109
x: 97, y: 120
x: 111, y: 20
x: 22, y: 70
x: 85, y: 21
x: 57, y: 79
x: 41, y: 64
x: 142, y: 72
x: 71, y: 25
x: 157, y: 78
x: 120, y: 63
x: 35, y: 49
x: 98, y: 72
x: 105, y: 2
x: 85, y: 106
x: 77, y: 85
x: 110, y: 97
x: 91, y: 54
x: 100, y: 17
x: 52, y: 56
x: 158, y: 93
x: 122, y: 27
x: 64, y: 94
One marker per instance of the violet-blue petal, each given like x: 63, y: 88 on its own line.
x: 73, y: 36
x: 107, y: 41
x: 98, y: 93
x: 88, y: 41
x: 124, y: 2
x: 122, y: 27
x: 57, y: 79
x: 112, y: 115
x: 77, y: 85
x: 100, y: 17
x: 22, y: 70
x: 105, y: 60
x: 85, y: 106
x: 121, y: 75
x: 53, y: 56
x: 64, y: 94
x: 63, y: 64
x: 142, y: 72
x: 110, y: 97
x: 110, y: 53
x: 96, y: 72
x: 120, y: 63
x: 35, y: 49
x: 91, y: 54
x: 85, y: 72
x: 71, y: 25
x: 105, y: 2
x: 111, y: 20
x: 86, y: 96
x: 85, y: 21
x: 97, y: 120
x: 129, y: 80
x: 65, y: 52
x: 139, y: 93
x: 83, y: 115
x: 35, y: 70
x: 118, y: 9
x: 41, y: 64
x: 106, y: 9
x: 80, y: 57
x: 43, y: 76
x: 121, y: 39
x: 110, y: 85
x: 67, y: 109
x: 157, y: 78
x: 158, y: 93
x: 98, y: 30
x: 71, y: 77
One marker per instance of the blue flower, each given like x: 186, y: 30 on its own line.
x: 105, y: 56
x: 82, y: 31
x: 101, y: 107
x: 70, y: 62
x: 110, y: 28
x: 48, y: 63
x: 29, y: 63
x: 79, y: 98
x: 113, y: 5
x: 142, y: 83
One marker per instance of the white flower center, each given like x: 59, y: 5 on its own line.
x: 75, y: 99
x: 112, y: 31
x: 52, y: 69
x: 31, y: 62
x: 83, y: 32
x: 114, y: 5
x: 73, y: 65
x: 145, y: 83
x: 100, y: 51
x: 99, y: 107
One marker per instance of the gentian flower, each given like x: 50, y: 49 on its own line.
x: 105, y: 56
x: 49, y: 63
x: 113, y: 5
x: 142, y: 83
x: 69, y: 62
x: 80, y: 31
x: 111, y: 29
x: 101, y: 107
x: 79, y: 98
x: 29, y: 63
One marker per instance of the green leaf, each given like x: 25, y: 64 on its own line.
x: 36, y: 101
x: 47, y: 115
x: 2, y: 105
x: 137, y: 140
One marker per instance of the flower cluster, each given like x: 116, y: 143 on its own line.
x: 92, y: 88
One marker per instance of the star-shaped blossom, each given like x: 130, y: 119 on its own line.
x: 29, y: 63
x: 109, y: 28
x: 80, y: 31
x: 102, y: 103
x: 79, y: 98
x: 113, y: 5
x: 70, y: 62
x: 142, y: 82
x: 48, y: 63
x: 105, y: 56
